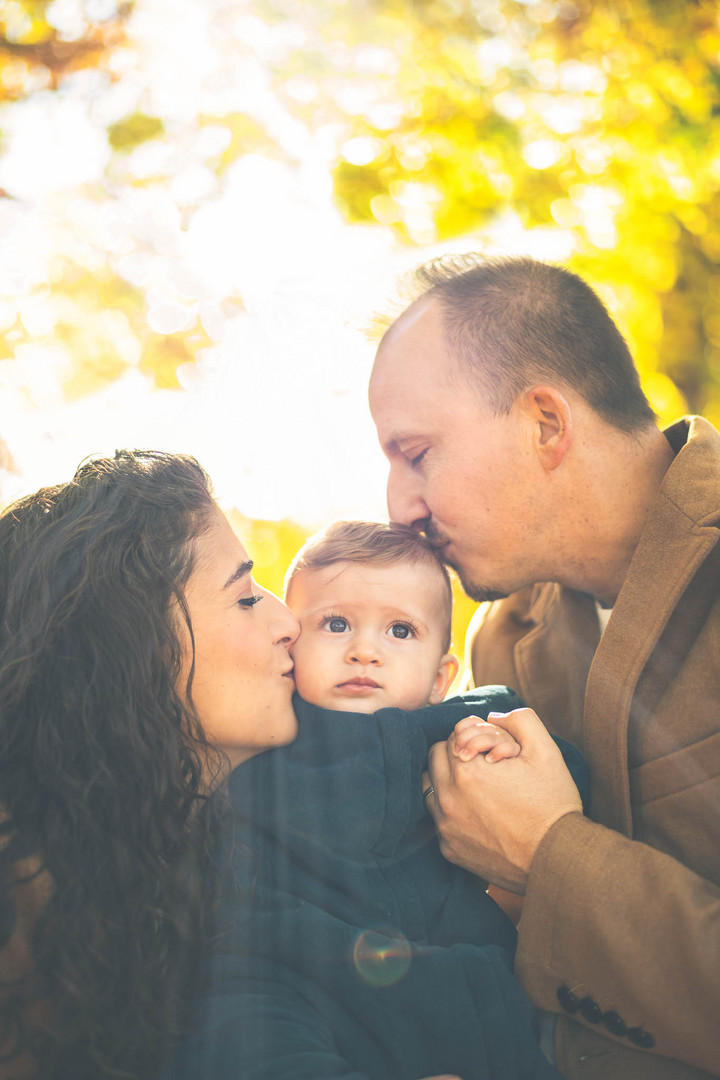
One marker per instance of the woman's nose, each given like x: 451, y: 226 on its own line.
x: 284, y: 627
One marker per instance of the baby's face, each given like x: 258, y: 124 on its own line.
x: 370, y: 636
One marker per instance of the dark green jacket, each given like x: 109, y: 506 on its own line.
x: 349, y: 947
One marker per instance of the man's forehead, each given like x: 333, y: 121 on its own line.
x: 409, y: 318
x: 408, y: 337
x: 412, y: 355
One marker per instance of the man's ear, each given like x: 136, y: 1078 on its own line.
x: 446, y: 672
x: 551, y: 416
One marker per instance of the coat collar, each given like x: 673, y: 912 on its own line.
x: 680, y: 532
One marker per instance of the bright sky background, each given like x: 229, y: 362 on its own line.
x: 276, y: 407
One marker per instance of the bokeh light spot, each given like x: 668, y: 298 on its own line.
x: 382, y: 957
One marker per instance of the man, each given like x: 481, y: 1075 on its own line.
x: 521, y: 444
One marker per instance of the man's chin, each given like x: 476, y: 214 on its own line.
x: 481, y: 594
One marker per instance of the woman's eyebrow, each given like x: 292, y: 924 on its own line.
x: 243, y: 569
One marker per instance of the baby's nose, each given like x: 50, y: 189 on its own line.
x: 363, y: 652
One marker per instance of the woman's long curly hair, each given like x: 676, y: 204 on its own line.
x: 104, y: 812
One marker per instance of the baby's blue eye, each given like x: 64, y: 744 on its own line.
x: 337, y: 625
x: 401, y: 630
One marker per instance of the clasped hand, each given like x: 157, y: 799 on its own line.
x: 498, y: 787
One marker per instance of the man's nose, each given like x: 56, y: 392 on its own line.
x: 405, y: 504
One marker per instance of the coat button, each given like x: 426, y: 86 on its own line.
x: 568, y: 1000
x: 614, y: 1023
x: 641, y: 1038
x: 591, y: 1010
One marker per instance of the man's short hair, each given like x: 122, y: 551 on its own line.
x: 375, y: 543
x: 515, y: 322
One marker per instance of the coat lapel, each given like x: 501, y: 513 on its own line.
x: 676, y: 541
x: 562, y: 641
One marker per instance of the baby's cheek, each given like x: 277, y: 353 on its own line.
x: 303, y: 683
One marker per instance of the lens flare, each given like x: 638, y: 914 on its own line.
x: 382, y: 957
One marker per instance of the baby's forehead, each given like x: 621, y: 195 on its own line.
x: 403, y: 584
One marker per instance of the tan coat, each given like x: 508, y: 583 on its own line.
x: 624, y: 910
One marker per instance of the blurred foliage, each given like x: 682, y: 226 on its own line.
x: 132, y: 130
x: 41, y: 40
x: 599, y: 120
x: 272, y: 545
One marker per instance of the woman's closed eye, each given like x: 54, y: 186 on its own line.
x: 250, y: 601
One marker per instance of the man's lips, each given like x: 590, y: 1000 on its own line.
x: 437, y: 543
x: 359, y: 683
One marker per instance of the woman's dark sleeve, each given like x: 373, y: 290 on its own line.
x: 250, y: 1031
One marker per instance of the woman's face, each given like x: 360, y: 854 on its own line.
x: 243, y: 684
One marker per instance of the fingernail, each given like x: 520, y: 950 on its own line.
x: 493, y: 714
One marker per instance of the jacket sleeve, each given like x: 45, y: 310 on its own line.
x: 248, y: 1032
x: 590, y: 892
x: 455, y: 1010
x: 609, y: 921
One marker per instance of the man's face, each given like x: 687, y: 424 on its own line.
x: 371, y: 636
x: 467, y: 479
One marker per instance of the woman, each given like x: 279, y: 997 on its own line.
x: 137, y: 667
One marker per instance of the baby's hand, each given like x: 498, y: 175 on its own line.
x: 473, y: 736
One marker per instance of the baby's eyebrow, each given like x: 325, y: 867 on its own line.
x: 243, y: 569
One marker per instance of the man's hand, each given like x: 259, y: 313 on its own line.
x: 492, y: 815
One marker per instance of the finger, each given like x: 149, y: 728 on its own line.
x: 438, y: 775
x: 460, y: 738
x: 523, y: 724
x: 503, y: 751
x: 481, y: 743
x: 475, y: 737
x: 469, y: 722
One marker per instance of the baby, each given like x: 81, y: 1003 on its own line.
x: 374, y: 605
x: 349, y: 947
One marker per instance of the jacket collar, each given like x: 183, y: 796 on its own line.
x: 680, y: 532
